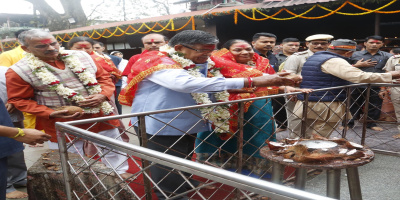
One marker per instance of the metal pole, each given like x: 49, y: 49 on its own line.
x: 346, y: 115
x: 277, y: 173
x: 365, y: 119
x: 354, y: 183
x: 240, y: 143
x: 145, y: 163
x: 304, y: 117
x: 333, y: 183
x: 301, y: 176
x: 68, y: 181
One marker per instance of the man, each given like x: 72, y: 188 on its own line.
x: 369, y: 60
x: 17, y: 170
x: 294, y: 64
x: 289, y: 47
x: 151, y: 42
x: 168, y: 85
x: 263, y: 43
x: 393, y: 64
x: 9, y: 58
x: 10, y: 143
x: 104, y: 58
x: 30, y: 92
x: 330, y: 69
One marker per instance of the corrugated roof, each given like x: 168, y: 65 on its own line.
x: 287, y: 3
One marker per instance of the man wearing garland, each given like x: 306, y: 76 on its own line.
x: 47, y: 78
x: 176, y: 76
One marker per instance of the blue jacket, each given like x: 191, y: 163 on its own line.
x: 314, y: 78
x: 8, y: 146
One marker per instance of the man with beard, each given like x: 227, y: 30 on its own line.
x: 369, y: 60
x: 294, y: 64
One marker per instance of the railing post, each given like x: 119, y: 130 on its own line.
x: 346, y: 115
x: 304, y: 117
x: 240, y: 142
x: 145, y: 163
x: 68, y: 180
x: 365, y: 119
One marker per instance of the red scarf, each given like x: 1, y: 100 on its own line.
x: 149, y: 62
x: 229, y: 68
x: 107, y: 64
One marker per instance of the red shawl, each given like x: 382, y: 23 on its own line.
x: 107, y: 64
x: 229, y: 68
x: 149, y: 62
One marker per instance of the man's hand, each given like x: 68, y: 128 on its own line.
x: 63, y: 114
x: 395, y: 74
x: 272, y: 80
x: 383, y: 94
x: 33, y: 137
x: 10, y: 107
x: 367, y: 63
x: 93, y: 100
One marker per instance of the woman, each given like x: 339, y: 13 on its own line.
x: 237, y: 59
x: 86, y: 44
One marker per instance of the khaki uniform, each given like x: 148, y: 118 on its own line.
x: 294, y: 64
x: 393, y: 64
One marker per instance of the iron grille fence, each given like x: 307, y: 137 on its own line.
x: 217, y: 166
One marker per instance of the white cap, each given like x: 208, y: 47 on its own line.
x: 319, y: 37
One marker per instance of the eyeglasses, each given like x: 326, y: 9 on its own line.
x: 321, y: 43
x: 199, y: 50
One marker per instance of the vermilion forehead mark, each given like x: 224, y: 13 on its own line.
x: 243, y: 46
x: 375, y: 41
x: 152, y: 40
x: 45, y: 41
x: 83, y: 45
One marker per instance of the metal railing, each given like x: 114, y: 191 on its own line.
x: 232, y: 162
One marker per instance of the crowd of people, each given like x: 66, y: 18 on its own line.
x: 188, y: 69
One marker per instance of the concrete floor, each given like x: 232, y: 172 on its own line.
x: 379, y: 179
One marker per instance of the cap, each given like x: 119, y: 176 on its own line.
x: 319, y: 37
x: 343, y: 44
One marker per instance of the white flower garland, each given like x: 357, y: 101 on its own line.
x: 43, y: 72
x: 219, y: 115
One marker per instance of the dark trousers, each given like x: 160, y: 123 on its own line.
x: 278, y: 105
x: 119, y: 107
x: 358, y: 97
x: 3, y: 178
x: 183, y: 148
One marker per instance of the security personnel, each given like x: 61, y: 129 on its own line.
x: 393, y: 64
x: 294, y: 64
x: 331, y: 69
